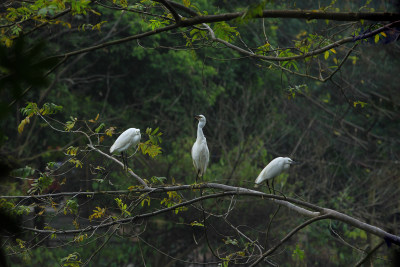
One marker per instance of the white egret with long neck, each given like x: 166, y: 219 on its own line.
x: 200, y: 153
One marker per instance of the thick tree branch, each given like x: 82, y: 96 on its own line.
x: 172, y: 10
x: 182, y: 8
x: 291, y: 203
x: 298, y: 14
x: 133, y: 11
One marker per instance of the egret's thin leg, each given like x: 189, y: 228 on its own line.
x: 197, y: 175
x: 273, y: 189
x: 124, y: 161
x: 269, y: 188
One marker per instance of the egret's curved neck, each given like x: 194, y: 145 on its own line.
x: 200, y: 135
x: 286, y: 166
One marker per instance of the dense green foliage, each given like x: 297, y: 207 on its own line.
x: 344, y: 132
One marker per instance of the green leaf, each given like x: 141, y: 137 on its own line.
x: 50, y: 108
x: 295, y: 65
x: 156, y: 179
x: 101, y: 126
x: 196, y: 223
x: 23, y: 172
x: 72, y: 260
x: 70, y: 124
x: 225, y: 32
x: 362, y: 104
x: 230, y: 241
x: 298, y: 254
x: 71, y: 206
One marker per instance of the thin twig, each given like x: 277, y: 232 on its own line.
x: 283, y: 240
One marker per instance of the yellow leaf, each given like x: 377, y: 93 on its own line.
x: 22, y: 124
x: 335, y: 60
x: 333, y: 50
x: 95, y: 12
x: 326, y: 55
x: 97, y: 117
x: 20, y: 242
x: 131, y: 187
x: 376, y: 38
x: 241, y: 253
x: 8, y: 42
x: 110, y: 131
x: 383, y: 34
x: 101, y: 139
x: 186, y: 3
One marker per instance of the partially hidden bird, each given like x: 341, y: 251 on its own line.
x: 273, y: 169
x: 200, y: 153
x: 128, y: 138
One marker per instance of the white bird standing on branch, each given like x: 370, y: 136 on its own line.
x: 200, y: 153
x: 273, y: 169
x: 130, y: 137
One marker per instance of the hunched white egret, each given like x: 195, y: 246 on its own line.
x: 128, y: 138
x: 200, y: 153
x: 273, y: 169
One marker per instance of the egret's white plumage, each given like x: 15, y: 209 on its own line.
x: 200, y: 153
x: 130, y: 137
x: 274, y: 168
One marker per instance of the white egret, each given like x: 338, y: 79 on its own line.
x: 273, y: 169
x: 200, y: 153
x: 128, y: 138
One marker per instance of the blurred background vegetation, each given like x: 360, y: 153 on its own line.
x: 345, y: 133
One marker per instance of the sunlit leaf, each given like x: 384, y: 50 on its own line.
x: 101, y: 126
x: 326, y: 55
x: 196, y: 223
x: 376, y: 38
